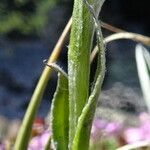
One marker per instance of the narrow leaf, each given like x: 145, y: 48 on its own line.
x: 147, y: 58
x: 142, y: 61
x: 82, y: 136
x: 79, y: 61
x: 60, y: 114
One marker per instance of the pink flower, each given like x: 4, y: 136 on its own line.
x: 2, y: 147
x: 97, y: 127
x: 39, y: 142
x: 145, y: 128
x: 102, y: 128
x: 132, y: 135
x: 139, y: 133
x: 113, y: 128
x: 144, y: 117
x: 145, y: 125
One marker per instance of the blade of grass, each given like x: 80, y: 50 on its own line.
x: 143, y: 73
x: 25, y: 129
x: 147, y: 58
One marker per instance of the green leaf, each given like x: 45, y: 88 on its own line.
x: 79, y: 61
x: 82, y: 136
x: 60, y: 114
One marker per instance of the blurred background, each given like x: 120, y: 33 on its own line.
x: 29, y: 30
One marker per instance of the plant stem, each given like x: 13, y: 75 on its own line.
x: 26, y: 127
x: 79, y: 61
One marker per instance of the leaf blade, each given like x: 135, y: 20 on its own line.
x: 82, y: 136
x: 60, y: 114
x: 142, y: 61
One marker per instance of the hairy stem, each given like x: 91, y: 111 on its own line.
x: 79, y: 60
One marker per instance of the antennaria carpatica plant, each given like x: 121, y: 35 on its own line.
x: 72, y: 108
x: 81, y: 106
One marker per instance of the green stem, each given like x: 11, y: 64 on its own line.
x: 79, y: 61
x: 26, y: 127
x: 82, y: 136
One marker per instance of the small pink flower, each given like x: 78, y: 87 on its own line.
x: 132, y: 135
x: 97, y: 127
x: 2, y: 147
x: 145, y: 125
x: 145, y: 128
x: 113, y: 128
x: 39, y: 142
x: 144, y: 117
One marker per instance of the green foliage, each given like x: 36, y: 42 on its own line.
x: 60, y: 114
x: 79, y: 63
x: 82, y: 135
x: 81, y: 105
x: 104, y: 144
x: 24, y: 15
x: 72, y: 109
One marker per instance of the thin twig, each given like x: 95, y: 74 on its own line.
x: 58, y: 47
x: 110, y: 27
x: 128, y: 35
x: 123, y: 35
x: 136, y: 145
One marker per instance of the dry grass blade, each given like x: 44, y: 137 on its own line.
x: 128, y: 35
x: 123, y: 35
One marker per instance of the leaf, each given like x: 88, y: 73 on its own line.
x: 81, y: 39
x: 143, y: 67
x: 78, y: 63
x: 147, y: 58
x: 82, y: 136
x: 60, y: 114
